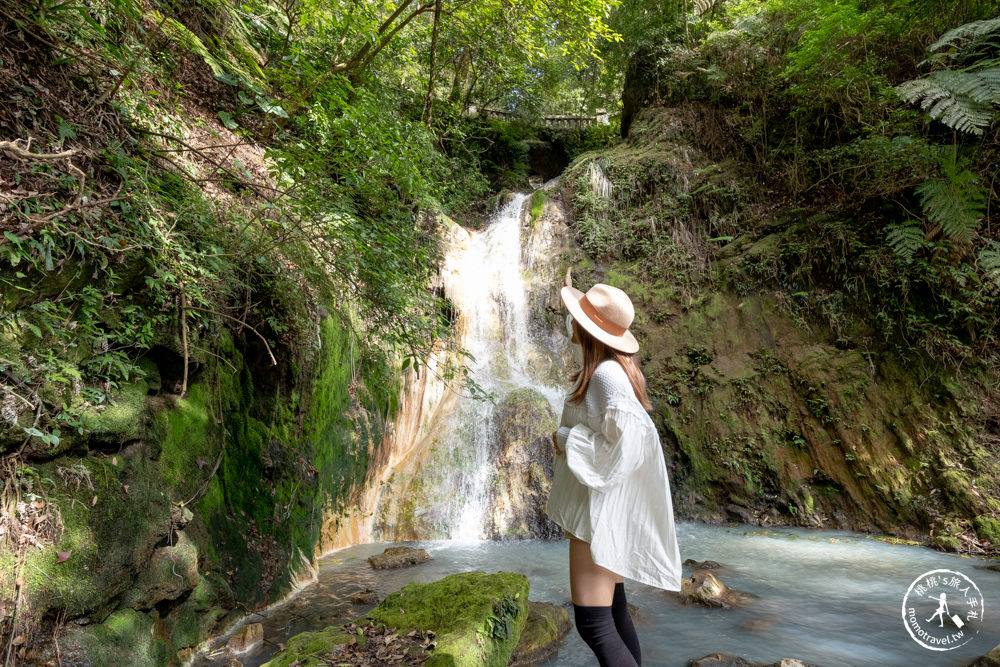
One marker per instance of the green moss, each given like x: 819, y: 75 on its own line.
x: 124, y: 419
x: 186, y: 430
x: 124, y: 638
x: 987, y: 528
x: 459, y: 608
x: 538, y: 199
x: 202, y: 613
x: 303, y: 650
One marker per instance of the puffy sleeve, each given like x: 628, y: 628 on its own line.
x: 601, y: 460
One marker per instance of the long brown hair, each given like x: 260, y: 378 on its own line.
x: 594, y: 352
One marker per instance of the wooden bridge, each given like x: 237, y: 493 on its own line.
x: 560, y: 122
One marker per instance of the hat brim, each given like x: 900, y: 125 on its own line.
x: 624, y: 343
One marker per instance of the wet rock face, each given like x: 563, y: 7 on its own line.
x: 398, y: 557
x: 520, y: 487
x: 172, y: 570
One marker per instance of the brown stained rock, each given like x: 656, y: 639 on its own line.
x: 546, y: 627
x: 704, y: 588
x: 398, y: 557
x: 703, y: 565
x: 246, y: 638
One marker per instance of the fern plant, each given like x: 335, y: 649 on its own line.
x: 962, y: 98
x: 905, y: 238
x: 989, y: 261
x: 954, y: 200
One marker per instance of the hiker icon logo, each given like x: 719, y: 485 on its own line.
x: 942, y: 610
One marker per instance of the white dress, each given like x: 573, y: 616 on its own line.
x: 610, y: 488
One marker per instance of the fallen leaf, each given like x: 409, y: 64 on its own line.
x: 62, y: 556
x: 93, y: 502
x: 17, y: 641
x: 125, y: 486
x: 114, y: 460
x: 201, y: 463
x: 38, y: 504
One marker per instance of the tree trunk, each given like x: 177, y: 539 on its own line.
x: 429, y: 102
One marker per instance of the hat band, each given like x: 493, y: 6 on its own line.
x: 607, y: 325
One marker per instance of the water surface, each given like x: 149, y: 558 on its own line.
x: 826, y: 597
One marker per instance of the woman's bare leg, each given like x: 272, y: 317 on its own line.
x: 593, y: 591
x: 590, y: 584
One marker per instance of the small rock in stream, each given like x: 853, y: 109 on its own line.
x: 702, y: 587
x: 703, y: 565
x: 367, y: 596
x: 398, y: 557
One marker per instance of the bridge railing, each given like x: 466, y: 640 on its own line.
x: 560, y: 122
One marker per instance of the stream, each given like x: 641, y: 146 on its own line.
x: 825, y: 597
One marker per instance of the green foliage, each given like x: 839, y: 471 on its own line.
x: 905, y: 238
x: 962, y: 98
x: 955, y: 200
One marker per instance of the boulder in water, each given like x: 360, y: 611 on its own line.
x: 398, y: 557
x: 702, y: 587
x: 703, y: 565
x: 547, y: 625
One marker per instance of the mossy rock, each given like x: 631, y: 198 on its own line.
x: 547, y: 625
x: 171, y: 571
x: 124, y: 638
x: 987, y: 528
x: 462, y: 609
x: 205, y: 611
x: 304, y: 649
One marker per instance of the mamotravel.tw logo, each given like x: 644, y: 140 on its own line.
x: 942, y: 610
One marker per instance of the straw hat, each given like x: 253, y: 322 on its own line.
x: 605, y: 312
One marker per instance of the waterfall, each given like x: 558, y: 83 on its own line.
x: 501, y: 284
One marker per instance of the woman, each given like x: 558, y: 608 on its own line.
x: 610, y: 491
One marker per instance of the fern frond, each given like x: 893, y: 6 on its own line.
x: 905, y: 239
x: 955, y: 200
x: 179, y: 34
x: 989, y: 260
x: 962, y: 100
x: 977, y: 86
x: 970, y: 31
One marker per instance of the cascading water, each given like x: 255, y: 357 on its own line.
x: 491, y: 277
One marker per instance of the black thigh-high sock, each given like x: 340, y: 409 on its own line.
x: 623, y: 622
x: 596, y: 626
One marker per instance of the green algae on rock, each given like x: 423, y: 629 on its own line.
x: 476, y: 618
x: 462, y: 609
